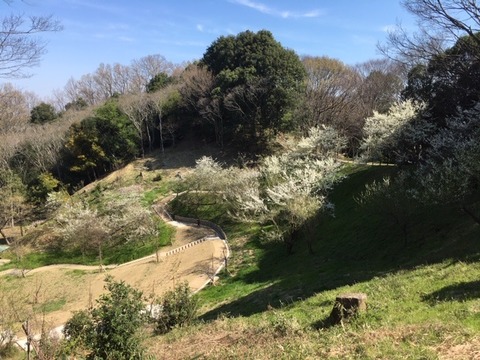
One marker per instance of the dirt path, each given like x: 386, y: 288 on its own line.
x: 75, y: 287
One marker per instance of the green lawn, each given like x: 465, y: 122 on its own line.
x: 423, y: 284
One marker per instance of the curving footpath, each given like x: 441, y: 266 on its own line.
x: 219, y: 244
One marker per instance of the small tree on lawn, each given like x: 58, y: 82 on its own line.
x: 284, y: 191
x: 392, y: 198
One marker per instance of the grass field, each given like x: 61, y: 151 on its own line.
x: 419, y: 266
x: 422, y: 283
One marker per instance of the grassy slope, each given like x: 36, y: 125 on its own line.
x: 95, y: 195
x: 423, y: 288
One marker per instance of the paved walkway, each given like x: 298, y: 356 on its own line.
x: 219, y: 252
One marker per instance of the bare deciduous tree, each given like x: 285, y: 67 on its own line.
x: 117, y: 79
x: 382, y: 83
x: 20, y: 48
x: 330, y: 91
x: 137, y: 109
x: 441, y: 23
x: 146, y: 68
x: 157, y: 101
x: 197, y: 85
x: 14, y: 109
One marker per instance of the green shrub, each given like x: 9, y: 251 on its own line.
x: 179, y: 308
x: 78, y: 330
x: 110, y: 330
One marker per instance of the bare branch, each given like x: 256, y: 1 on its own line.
x: 20, y: 48
x: 441, y: 23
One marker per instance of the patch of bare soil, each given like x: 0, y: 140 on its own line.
x: 78, y: 286
x: 175, y: 161
x: 12, y: 232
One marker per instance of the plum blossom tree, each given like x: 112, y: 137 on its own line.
x: 396, y: 136
x: 447, y: 173
x: 87, y: 228
x: 290, y: 189
x: 284, y: 191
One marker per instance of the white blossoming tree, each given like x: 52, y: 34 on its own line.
x: 447, y: 173
x: 284, y: 191
x: 396, y: 136
x: 85, y: 227
x: 293, y: 190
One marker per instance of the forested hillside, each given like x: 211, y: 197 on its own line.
x: 327, y: 178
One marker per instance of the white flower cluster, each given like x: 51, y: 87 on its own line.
x: 124, y: 216
x: 382, y: 132
x: 284, y: 190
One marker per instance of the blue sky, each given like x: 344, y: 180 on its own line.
x: 118, y: 31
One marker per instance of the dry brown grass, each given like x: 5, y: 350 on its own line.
x: 451, y: 349
x: 227, y: 338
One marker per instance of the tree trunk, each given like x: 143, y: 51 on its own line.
x: 2, y: 233
x: 160, y: 127
x: 149, y: 136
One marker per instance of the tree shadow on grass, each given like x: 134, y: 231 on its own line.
x: 458, y: 292
x: 283, y: 293
x: 355, y: 246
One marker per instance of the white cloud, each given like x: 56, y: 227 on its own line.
x: 389, y: 28
x: 285, y: 14
x: 312, y: 14
x: 208, y: 30
x: 97, y: 6
x: 256, y: 6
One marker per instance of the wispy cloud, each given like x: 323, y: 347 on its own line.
x: 96, y: 5
x: 208, y: 29
x: 285, y: 14
x: 126, y: 39
x: 109, y: 36
x: 389, y: 28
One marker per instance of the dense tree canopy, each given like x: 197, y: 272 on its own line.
x: 43, y: 113
x: 100, y: 143
x: 256, y: 81
x: 158, y: 82
x: 449, y: 80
